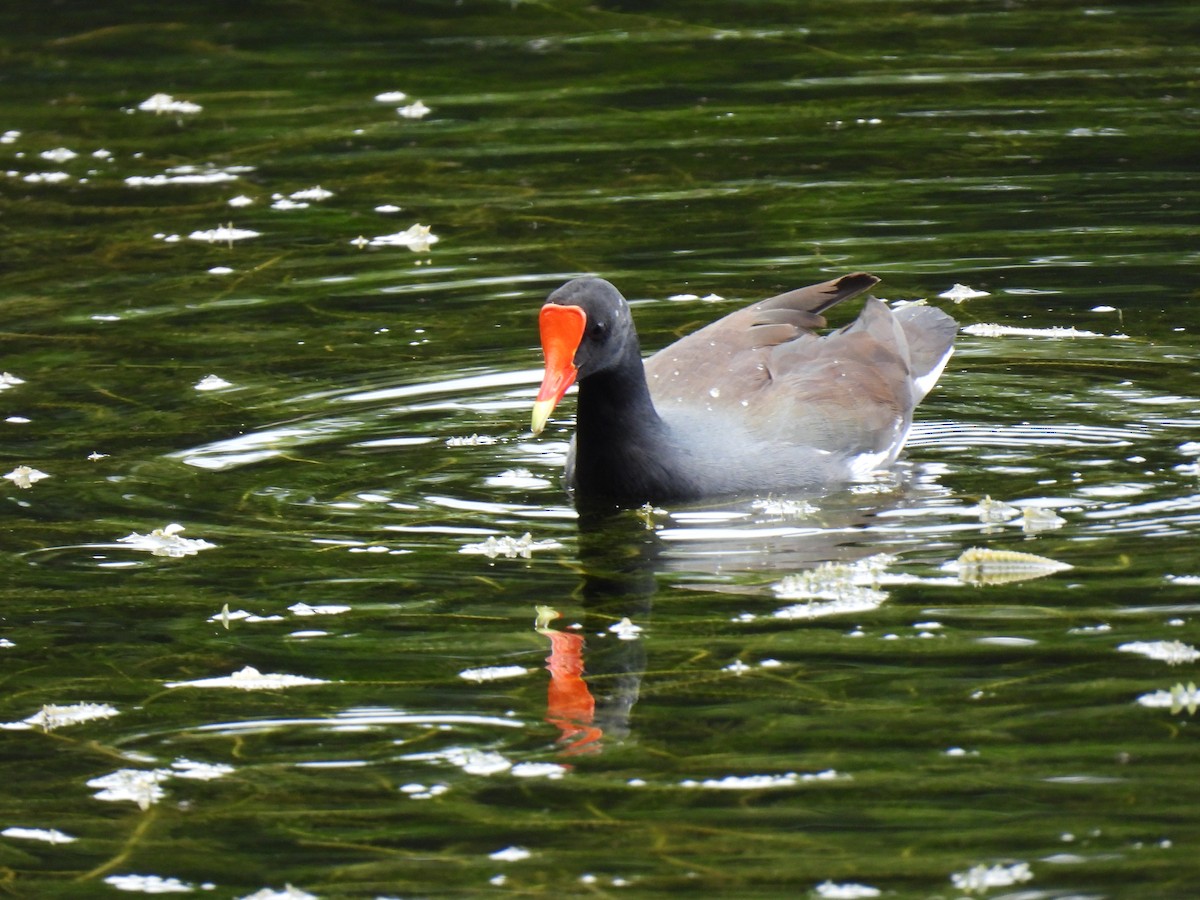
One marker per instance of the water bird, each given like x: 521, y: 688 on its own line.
x: 754, y: 403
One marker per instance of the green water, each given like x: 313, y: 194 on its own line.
x: 373, y: 426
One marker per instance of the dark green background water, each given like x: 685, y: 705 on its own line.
x: 1043, y: 152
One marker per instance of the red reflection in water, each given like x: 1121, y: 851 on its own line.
x: 570, y: 706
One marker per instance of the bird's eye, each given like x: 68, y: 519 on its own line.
x: 599, y: 331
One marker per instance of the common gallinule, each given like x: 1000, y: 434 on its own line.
x: 753, y: 403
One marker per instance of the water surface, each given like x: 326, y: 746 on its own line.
x: 710, y: 709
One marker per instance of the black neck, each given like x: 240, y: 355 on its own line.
x: 623, y: 447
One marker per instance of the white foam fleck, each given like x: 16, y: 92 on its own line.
x: 223, y: 234
x: 960, y: 292
x: 166, y: 541
x: 1173, y: 653
x: 511, y: 854
x: 417, y: 110
x: 25, y: 477
x: 827, y: 890
x: 493, y: 673
x: 148, y: 884
x: 49, y: 835
x: 140, y: 786
x: 58, y: 155
x: 509, y: 547
x: 981, y: 878
x: 987, y: 329
x: 212, y: 382
x: 417, y: 238
x: 249, y: 679
x: 165, y: 103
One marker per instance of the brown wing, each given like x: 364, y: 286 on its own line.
x: 727, y: 361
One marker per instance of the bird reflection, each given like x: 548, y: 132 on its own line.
x: 595, y: 675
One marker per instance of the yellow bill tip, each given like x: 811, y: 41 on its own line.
x: 541, y: 414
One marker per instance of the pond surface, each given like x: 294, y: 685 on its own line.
x: 464, y: 689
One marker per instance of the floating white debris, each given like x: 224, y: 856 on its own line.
x: 1177, y: 699
x: 392, y: 97
x: 471, y: 440
x: 303, y: 609
x: 992, y: 511
x: 240, y: 200
x: 981, y: 878
x: 979, y: 565
x: 833, y: 589
x: 493, y: 673
x: 9, y: 137
x: 8, y: 379
x: 1173, y: 653
x: 984, y: 329
x: 416, y: 110
x: 166, y: 541
x: 212, y: 383
x: 761, y: 782
x: 54, y: 715
x: 626, y: 630
x: 707, y: 298
x: 25, y: 477
x: 288, y: 893
x: 423, y: 791
x: 58, y: 155
x: 1041, y: 518
x: 519, y: 479
x: 5, y: 643
x: 829, y: 579
x: 45, y: 177
x: 199, y: 771
x: 827, y: 890
x: 220, y: 270
x: 470, y: 760
x: 226, y: 615
x: 165, y: 103
x: 861, y: 600
x: 211, y: 176
x: 140, y: 786
x: 552, y: 771
x: 961, y: 292
x: 510, y: 854
x: 249, y: 679
x: 1090, y: 629
x: 792, y: 509
x: 417, y: 238
x: 223, y: 234
x: 315, y: 193
x: 149, y: 884
x: 285, y: 203
x: 387, y: 208
x: 49, y: 835
x: 509, y: 547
